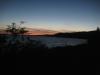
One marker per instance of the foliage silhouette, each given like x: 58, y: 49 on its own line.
x: 16, y: 29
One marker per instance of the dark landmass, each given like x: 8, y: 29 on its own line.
x: 31, y: 50
x: 33, y: 47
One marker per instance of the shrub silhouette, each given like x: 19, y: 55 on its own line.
x: 16, y: 29
x: 18, y: 46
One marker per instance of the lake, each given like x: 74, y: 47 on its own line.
x: 57, y: 41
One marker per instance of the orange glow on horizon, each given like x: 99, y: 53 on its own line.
x: 33, y: 32
x: 40, y: 33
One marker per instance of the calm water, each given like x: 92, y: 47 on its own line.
x: 57, y: 41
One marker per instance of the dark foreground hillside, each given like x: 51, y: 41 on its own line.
x: 27, y: 53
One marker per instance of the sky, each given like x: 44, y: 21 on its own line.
x: 58, y: 15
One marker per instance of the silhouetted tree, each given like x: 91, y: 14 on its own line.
x: 12, y: 29
x: 22, y: 31
x: 15, y: 29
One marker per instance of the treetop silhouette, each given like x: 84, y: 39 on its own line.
x: 16, y: 29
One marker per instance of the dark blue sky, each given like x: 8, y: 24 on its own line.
x: 60, y: 15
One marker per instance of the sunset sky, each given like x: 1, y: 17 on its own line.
x: 59, y: 15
